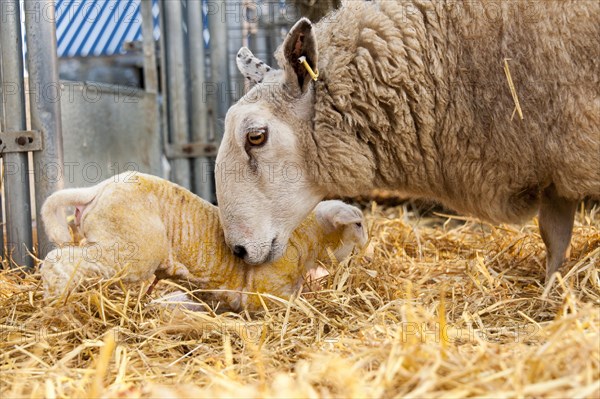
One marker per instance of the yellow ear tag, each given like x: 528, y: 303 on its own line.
x: 313, y: 75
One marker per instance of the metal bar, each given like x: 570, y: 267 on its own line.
x: 16, y: 178
x: 217, y: 24
x: 162, y: 88
x: 262, y: 33
x: 2, y: 128
x: 203, y: 165
x: 1, y: 95
x: 191, y: 150
x: 20, y: 141
x: 42, y: 65
x: 150, y: 72
x: 150, y: 68
x: 176, y: 87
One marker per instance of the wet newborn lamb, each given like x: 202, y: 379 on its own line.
x: 142, y: 225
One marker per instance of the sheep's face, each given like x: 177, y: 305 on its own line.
x: 264, y: 186
x: 263, y: 189
x: 354, y: 236
x: 348, y: 220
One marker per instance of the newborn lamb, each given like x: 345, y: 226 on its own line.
x: 139, y: 225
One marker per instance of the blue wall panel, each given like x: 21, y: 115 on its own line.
x: 99, y: 27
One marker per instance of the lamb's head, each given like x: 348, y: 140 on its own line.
x: 345, y: 221
x: 265, y: 185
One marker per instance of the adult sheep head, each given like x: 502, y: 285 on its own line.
x: 264, y: 186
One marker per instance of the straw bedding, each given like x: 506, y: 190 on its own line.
x: 438, y: 307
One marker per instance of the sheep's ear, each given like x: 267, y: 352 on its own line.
x: 333, y: 215
x: 252, y: 68
x: 300, y: 41
x: 347, y: 216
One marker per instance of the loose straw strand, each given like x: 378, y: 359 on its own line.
x: 513, y: 91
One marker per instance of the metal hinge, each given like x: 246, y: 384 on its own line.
x: 191, y: 150
x: 20, y: 141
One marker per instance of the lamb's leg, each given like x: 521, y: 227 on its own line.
x: 165, y: 271
x: 556, y: 218
x: 312, y: 279
x: 172, y: 269
x: 65, y: 267
x: 151, y: 288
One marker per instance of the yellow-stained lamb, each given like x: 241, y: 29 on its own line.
x: 140, y: 225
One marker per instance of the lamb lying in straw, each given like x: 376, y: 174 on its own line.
x: 137, y: 226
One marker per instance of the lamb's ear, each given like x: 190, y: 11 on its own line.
x: 252, y: 68
x: 333, y: 215
x: 300, y: 41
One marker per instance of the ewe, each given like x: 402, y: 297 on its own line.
x: 412, y: 96
x: 137, y: 226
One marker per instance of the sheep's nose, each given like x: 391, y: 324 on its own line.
x: 240, y: 251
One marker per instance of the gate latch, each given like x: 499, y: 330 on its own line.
x: 20, y: 141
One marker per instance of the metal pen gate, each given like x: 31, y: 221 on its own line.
x: 169, y: 125
x: 44, y: 117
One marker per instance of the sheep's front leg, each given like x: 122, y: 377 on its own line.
x: 556, y: 218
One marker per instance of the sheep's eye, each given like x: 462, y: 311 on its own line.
x: 359, y: 224
x: 257, y: 137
